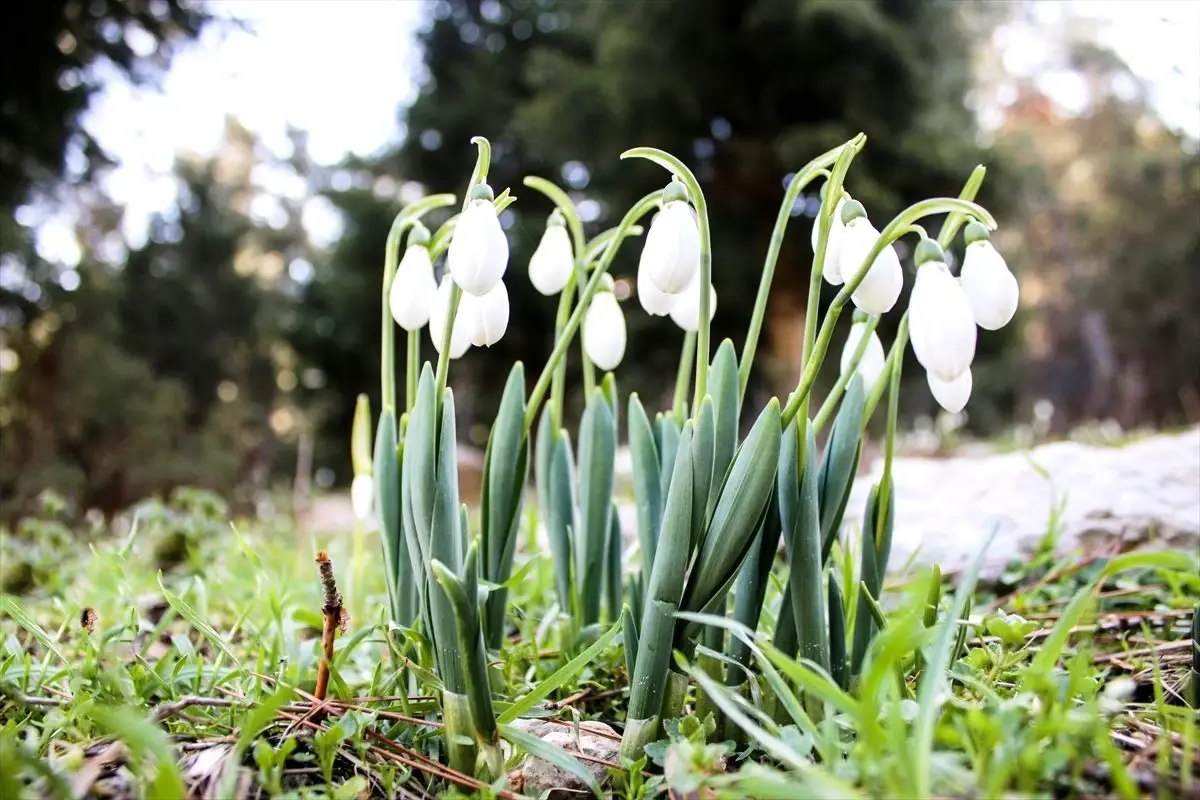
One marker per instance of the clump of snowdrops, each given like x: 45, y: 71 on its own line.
x: 712, y: 505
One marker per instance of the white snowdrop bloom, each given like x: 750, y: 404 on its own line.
x: 362, y: 496
x: 552, y: 262
x: 686, y: 311
x: 880, y: 288
x: 413, y: 289
x: 951, y: 395
x: 604, y: 331
x: 655, y: 301
x: 487, y: 316
x: 832, y: 269
x: 478, y: 254
x: 873, y: 360
x: 990, y: 286
x: 460, y: 338
x: 941, y: 325
x: 671, y: 255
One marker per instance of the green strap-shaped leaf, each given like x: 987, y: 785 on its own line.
x: 462, y: 596
x: 505, y: 471
x: 665, y: 589
x: 666, y: 433
x: 420, y: 464
x: 560, y: 515
x: 445, y: 546
x: 785, y: 637
x: 597, y: 457
x: 723, y: 385
x: 837, y: 636
x: 738, y: 511
x: 704, y: 446
x: 804, y: 548
x: 387, y: 504
x: 752, y: 582
x: 647, y: 484
x: 840, y: 463
x: 613, y: 588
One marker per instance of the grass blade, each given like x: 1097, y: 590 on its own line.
x: 547, y: 752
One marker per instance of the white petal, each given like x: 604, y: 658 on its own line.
x: 879, y: 290
x: 873, y: 360
x: 991, y: 288
x: 478, y: 252
x: 671, y: 256
x: 686, y: 310
x: 460, y: 339
x: 552, y: 261
x: 655, y: 301
x: 604, y: 332
x: 487, y: 316
x: 362, y: 496
x: 413, y: 290
x: 951, y: 395
x: 831, y: 272
x: 941, y: 325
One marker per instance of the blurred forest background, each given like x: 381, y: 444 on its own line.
x: 228, y: 344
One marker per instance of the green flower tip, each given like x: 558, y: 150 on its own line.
x: 976, y: 232
x: 674, y: 192
x: 418, y: 235
x: 851, y: 211
x: 556, y: 219
x: 483, y: 192
x: 859, y: 316
x: 929, y: 250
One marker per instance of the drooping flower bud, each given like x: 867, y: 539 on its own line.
x: 880, y: 288
x: 413, y: 289
x: 552, y: 262
x: 671, y: 256
x: 655, y: 301
x: 831, y: 269
x: 941, y: 325
x: 873, y: 360
x: 478, y: 254
x: 362, y: 496
x: 951, y: 395
x: 487, y: 315
x: 990, y: 286
x: 686, y: 311
x: 460, y: 338
x: 604, y: 330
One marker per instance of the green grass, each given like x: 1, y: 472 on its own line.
x: 1069, y: 678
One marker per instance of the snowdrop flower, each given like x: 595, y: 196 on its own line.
x: 686, y: 311
x: 460, y: 338
x: 362, y: 496
x: 604, y: 329
x: 486, y: 316
x: 478, y: 252
x: 951, y: 395
x: 413, y: 286
x: 873, y: 360
x: 990, y: 286
x: 831, y: 270
x: 655, y: 301
x: 880, y: 289
x: 941, y: 325
x: 671, y: 256
x: 552, y: 262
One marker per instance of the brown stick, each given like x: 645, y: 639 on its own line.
x: 334, y: 618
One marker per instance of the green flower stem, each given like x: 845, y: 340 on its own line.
x: 683, y: 378
x: 478, y: 175
x: 414, y: 369
x: 589, y: 370
x: 835, y: 395
x: 696, y: 194
x: 817, y: 167
x: 579, y: 248
x: 924, y: 208
x: 391, y: 259
x: 829, y: 205
x: 894, y: 354
x: 885, y: 484
x: 641, y: 208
